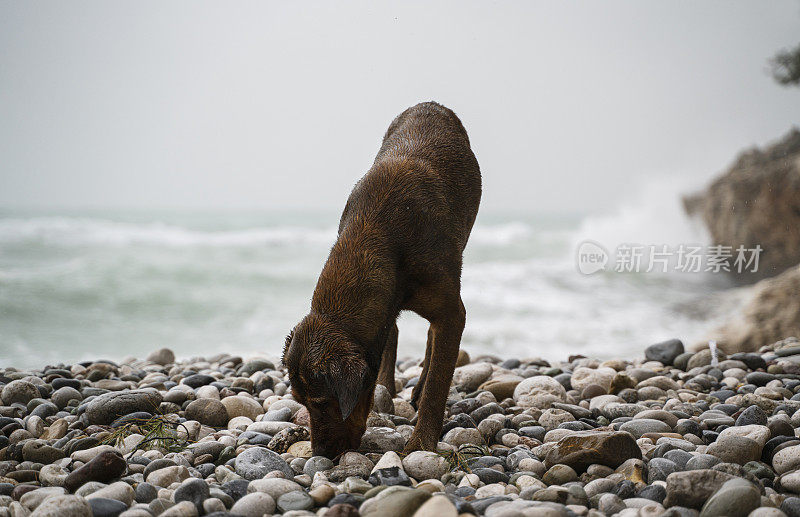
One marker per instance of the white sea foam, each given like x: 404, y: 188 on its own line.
x: 73, y: 287
x: 70, y: 231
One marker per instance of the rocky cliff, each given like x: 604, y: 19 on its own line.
x: 757, y: 202
x: 771, y: 313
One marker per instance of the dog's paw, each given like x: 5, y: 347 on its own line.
x: 419, y: 443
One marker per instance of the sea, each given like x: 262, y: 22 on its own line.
x: 90, y: 284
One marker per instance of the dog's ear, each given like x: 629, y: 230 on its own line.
x: 346, y: 377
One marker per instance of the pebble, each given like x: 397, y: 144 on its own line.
x: 257, y: 462
x: 297, y: 500
x: 63, y: 506
x: 734, y: 498
x: 422, y: 465
x: 208, y: 411
x: 109, y: 406
x: 256, y: 504
x: 665, y: 352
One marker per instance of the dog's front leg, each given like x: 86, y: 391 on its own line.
x: 446, y: 328
x: 388, y: 360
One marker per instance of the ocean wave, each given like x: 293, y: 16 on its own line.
x: 654, y: 215
x: 82, y: 230
x: 500, y: 234
x: 67, y: 231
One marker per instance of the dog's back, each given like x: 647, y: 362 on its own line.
x: 424, y: 177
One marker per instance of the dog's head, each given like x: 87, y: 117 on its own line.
x: 330, y: 376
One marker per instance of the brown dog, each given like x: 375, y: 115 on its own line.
x: 400, y: 244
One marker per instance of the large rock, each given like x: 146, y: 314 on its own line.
x: 162, y: 356
x: 470, y: 376
x: 736, y: 498
x: 771, y: 313
x: 382, y: 439
x: 19, y: 391
x: 539, y: 392
x: 255, y: 504
x: 581, y: 449
x: 239, y: 405
x: 256, y: 462
x: 63, y: 506
x: 104, y: 467
x: 108, y: 407
x: 664, y: 352
x: 423, y: 465
x: 757, y: 202
x: 210, y: 412
x: 693, y: 487
x: 583, y: 377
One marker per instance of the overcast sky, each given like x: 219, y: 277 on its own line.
x: 283, y: 104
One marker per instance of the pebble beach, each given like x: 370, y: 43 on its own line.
x: 672, y: 432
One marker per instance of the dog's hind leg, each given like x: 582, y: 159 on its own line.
x: 417, y: 391
x: 386, y: 371
x: 447, y: 324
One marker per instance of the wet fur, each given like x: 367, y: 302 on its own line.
x: 400, y: 243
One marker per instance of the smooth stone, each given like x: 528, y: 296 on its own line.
x: 581, y: 449
x: 702, y: 461
x: 693, y: 487
x: 559, y: 475
x: 63, y: 506
x: 53, y: 475
x: 106, y: 408
x: 470, y: 376
x: 655, y: 493
x: 786, y: 459
x: 194, y: 491
x: 145, y: 492
x: 679, y: 457
x: 423, y: 465
x: 235, y: 488
x: 735, y: 498
x: 162, y: 356
x: 735, y: 449
x: 664, y: 352
x: 301, y: 449
x: 791, y: 506
x: 239, y: 405
x: 645, y: 425
x: 381, y: 440
x: 539, y: 392
x: 119, y: 491
x: 34, y: 498
x: 400, y: 503
x: 583, y: 377
x: 437, y: 506
x: 38, y: 451
x: 257, y: 462
x: 166, y: 476
x: 658, y: 414
x: 275, y: 487
x: 19, y: 392
x: 390, y: 476
x: 104, y: 467
x: 752, y: 415
x: 295, y: 501
x: 103, y: 507
x: 317, y: 464
x: 659, y: 468
x: 208, y: 411
x: 182, y: 509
